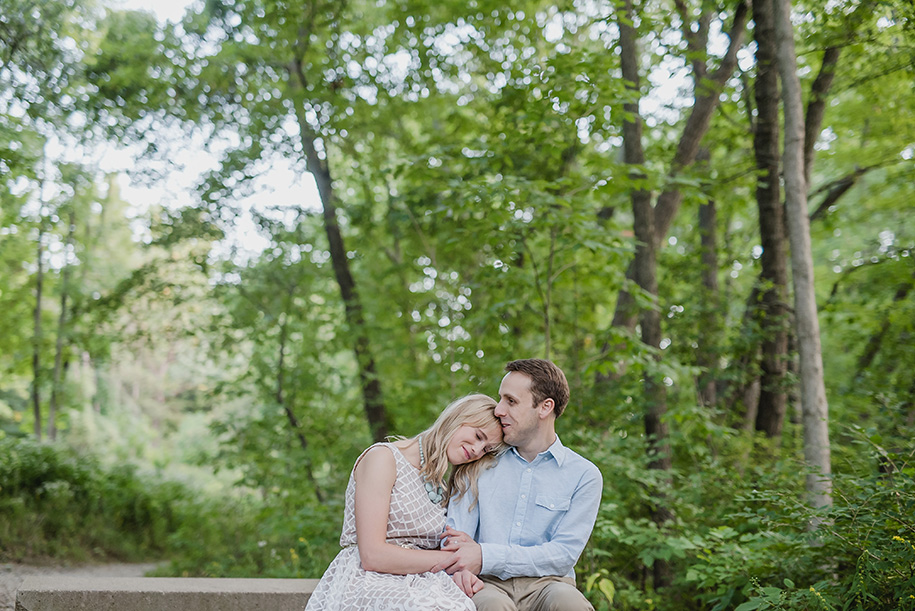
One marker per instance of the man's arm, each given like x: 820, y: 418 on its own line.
x: 555, y: 557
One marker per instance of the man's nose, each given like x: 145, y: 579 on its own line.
x: 500, y: 410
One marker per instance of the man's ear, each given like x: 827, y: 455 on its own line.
x: 546, y: 408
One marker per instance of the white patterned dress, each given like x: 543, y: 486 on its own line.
x: 413, y: 521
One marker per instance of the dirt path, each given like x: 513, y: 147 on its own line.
x: 11, y: 575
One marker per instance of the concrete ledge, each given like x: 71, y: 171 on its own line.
x: 162, y: 594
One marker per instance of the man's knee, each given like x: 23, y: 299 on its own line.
x: 561, y: 596
x: 492, y: 598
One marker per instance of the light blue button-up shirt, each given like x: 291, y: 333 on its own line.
x: 533, y: 518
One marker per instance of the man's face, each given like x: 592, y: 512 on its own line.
x: 520, y: 420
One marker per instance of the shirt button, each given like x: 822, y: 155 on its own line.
x: 517, y: 523
x: 528, y: 470
x: 551, y: 505
x: 523, y: 496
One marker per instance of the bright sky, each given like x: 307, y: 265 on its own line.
x: 165, y: 10
x: 281, y: 185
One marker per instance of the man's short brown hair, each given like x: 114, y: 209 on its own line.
x: 547, y: 382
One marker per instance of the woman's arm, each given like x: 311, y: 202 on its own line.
x: 375, y: 475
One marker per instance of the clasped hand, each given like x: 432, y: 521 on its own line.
x: 465, y: 563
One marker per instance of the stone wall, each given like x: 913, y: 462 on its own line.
x: 56, y: 593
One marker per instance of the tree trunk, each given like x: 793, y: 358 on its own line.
x: 708, y: 341
x: 816, y: 107
x: 36, y: 338
x: 743, y: 389
x: 771, y: 310
x: 376, y: 414
x: 813, y: 390
x: 61, y: 332
x: 645, y: 267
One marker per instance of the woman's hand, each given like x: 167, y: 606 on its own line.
x: 469, y: 583
x: 468, y: 555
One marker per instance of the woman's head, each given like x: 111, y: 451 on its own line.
x: 467, y: 435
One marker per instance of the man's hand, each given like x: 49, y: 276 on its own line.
x: 469, y: 583
x: 468, y: 555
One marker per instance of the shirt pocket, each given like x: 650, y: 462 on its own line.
x: 553, y: 503
x: 551, y: 509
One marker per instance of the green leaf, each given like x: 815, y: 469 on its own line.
x: 772, y: 592
x: 607, y: 588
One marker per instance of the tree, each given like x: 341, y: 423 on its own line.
x: 645, y: 266
x: 771, y: 310
x: 813, y: 391
x: 709, y: 342
x: 37, y: 335
x: 265, y: 68
x: 319, y: 166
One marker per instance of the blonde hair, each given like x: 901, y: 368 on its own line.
x: 473, y: 410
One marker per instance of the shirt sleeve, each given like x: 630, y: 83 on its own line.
x: 461, y: 517
x: 558, y: 555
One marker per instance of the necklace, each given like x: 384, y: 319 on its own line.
x: 435, y: 493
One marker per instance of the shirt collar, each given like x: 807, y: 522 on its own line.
x: 557, y: 450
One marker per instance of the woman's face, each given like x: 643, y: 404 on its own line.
x: 470, y: 443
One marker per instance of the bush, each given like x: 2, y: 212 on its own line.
x: 861, y: 556
x: 58, y: 504
x: 64, y: 505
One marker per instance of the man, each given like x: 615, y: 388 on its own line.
x: 536, y: 507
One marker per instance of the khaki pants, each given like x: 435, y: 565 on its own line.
x: 530, y: 594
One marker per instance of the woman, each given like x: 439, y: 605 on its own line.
x: 395, y: 513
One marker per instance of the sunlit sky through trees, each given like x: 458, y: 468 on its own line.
x: 285, y: 186
x: 280, y: 186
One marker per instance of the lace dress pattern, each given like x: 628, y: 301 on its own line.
x: 413, y: 521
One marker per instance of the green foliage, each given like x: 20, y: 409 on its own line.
x: 741, y: 537
x: 248, y: 538
x: 62, y: 504
x: 861, y: 557
x: 59, y: 504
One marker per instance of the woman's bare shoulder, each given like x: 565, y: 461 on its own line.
x: 377, y: 460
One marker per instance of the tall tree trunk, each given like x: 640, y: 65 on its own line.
x: 771, y: 311
x: 376, y: 414
x: 710, y: 318
x: 707, y: 355
x: 813, y: 389
x: 36, y: 337
x: 645, y: 266
x: 61, y: 331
